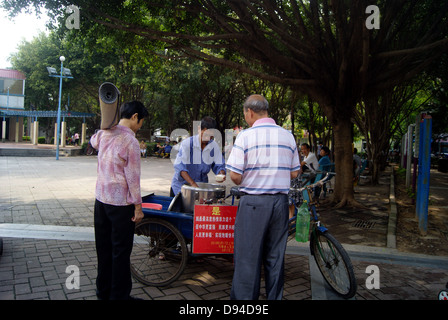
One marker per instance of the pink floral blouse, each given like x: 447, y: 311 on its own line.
x: 118, y: 181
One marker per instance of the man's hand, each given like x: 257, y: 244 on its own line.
x: 222, y: 172
x: 138, y: 214
x: 188, y: 179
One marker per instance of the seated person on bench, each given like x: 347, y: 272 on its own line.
x: 324, y: 165
x: 167, y: 151
x: 309, y: 162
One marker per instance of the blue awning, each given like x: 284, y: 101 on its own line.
x: 45, y: 114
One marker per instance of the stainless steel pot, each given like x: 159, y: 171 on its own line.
x: 206, y: 193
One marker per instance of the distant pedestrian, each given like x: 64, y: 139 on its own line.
x: 357, y: 164
x: 143, y: 148
x: 319, y: 148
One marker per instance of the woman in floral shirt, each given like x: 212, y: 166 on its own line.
x: 118, y: 201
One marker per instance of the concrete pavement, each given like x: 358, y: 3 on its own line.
x: 46, y: 219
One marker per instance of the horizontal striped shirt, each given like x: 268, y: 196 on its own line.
x: 265, y: 155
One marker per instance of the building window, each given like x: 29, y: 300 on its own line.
x: 15, y: 86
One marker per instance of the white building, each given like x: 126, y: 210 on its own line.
x: 12, y: 97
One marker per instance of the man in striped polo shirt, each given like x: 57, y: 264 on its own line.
x: 263, y: 161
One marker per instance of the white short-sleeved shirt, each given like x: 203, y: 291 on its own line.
x: 311, y: 161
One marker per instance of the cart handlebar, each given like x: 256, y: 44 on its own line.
x: 235, y: 190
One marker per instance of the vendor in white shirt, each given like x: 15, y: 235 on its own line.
x: 309, y: 161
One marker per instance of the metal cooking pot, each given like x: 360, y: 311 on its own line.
x: 206, y: 193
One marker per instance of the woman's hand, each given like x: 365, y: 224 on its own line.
x: 138, y: 214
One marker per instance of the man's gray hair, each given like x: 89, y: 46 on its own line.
x: 257, y: 103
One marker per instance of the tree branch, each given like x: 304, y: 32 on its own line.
x: 412, y: 51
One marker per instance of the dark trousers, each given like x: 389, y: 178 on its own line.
x: 114, y: 236
x: 261, y: 232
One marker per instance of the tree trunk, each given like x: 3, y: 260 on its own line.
x: 343, y: 160
x: 375, y: 161
x: 343, y: 154
x: 342, y: 138
x: 377, y: 150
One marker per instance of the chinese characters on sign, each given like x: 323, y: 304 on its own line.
x: 213, y: 229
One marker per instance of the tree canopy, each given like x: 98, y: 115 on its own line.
x: 325, y: 49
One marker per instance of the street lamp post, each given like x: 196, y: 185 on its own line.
x: 65, y: 73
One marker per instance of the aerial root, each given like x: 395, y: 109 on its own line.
x: 349, y: 202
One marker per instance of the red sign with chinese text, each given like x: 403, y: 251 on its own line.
x: 213, y: 229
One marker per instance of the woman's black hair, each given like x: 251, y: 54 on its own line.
x: 129, y: 108
x: 326, y: 149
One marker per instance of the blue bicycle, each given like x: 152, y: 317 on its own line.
x: 331, y: 258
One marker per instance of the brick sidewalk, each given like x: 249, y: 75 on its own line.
x: 36, y: 269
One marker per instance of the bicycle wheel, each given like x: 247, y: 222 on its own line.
x: 334, y: 263
x: 159, y: 254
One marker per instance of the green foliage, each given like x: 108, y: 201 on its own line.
x: 151, y: 147
x: 84, y: 147
x: 33, y: 58
x: 401, y: 172
x: 411, y: 194
x: 328, y: 65
x: 438, y: 105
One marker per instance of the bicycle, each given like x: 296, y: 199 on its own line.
x: 331, y: 258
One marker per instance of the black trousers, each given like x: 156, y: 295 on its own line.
x: 114, y: 236
x: 261, y: 232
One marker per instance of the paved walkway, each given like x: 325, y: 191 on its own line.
x: 46, y: 218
